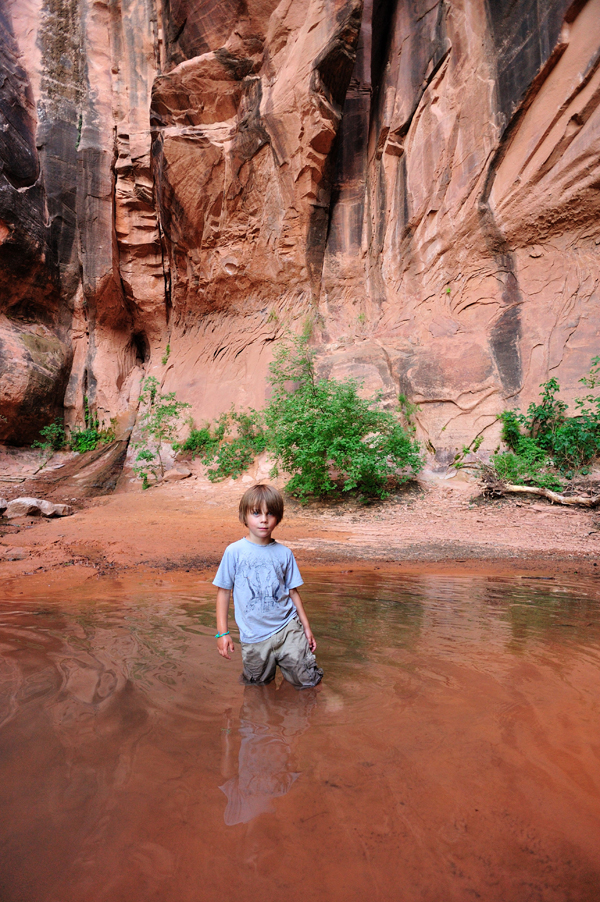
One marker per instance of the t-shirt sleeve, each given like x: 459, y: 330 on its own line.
x: 226, y: 573
x: 293, y: 579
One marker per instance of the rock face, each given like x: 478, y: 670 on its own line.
x: 183, y: 182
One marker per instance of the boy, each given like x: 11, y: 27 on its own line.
x: 263, y: 574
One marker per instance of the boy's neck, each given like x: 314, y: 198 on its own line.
x: 255, y: 541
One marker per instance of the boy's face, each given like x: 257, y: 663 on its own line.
x: 260, y: 524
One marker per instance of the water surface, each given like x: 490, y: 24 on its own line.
x: 451, y: 753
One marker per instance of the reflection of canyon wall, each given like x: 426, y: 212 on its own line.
x: 421, y: 178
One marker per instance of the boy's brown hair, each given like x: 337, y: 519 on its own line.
x: 260, y: 496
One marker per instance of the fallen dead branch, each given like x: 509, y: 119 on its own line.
x: 495, y: 487
x: 582, y: 500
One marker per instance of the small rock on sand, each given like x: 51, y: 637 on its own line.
x: 178, y: 472
x: 13, y: 554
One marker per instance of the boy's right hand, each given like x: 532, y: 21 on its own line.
x: 225, y: 646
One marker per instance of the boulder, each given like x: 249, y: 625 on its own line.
x: 3, y: 505
x: 50, y: 509
x: 35, y: 507
x: 23, y: 507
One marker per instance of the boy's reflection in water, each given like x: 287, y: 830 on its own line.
x: 270, y: 718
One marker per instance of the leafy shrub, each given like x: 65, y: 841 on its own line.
x: 544, y: 443
x: 199, y: 443
x: 529, y: 467
x: 158, y: 425
x: 93, y: 434
x: 316, y: 426
x: 319, y: 430
x: 53, y: 437
x: 232, y: 445
x: 235, y: 454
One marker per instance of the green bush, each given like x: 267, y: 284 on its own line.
x: 318, y: 425
x: 235, y: 453
x: 199, y: 443
x: 92, y: 435
x: 53, y: 437
x: 545, y: 444
x: 319, y: 430
x: 231, y: 446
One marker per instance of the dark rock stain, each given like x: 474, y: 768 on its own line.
x: 524, y: 33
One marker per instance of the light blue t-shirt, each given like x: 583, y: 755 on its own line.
x: 261, y: 577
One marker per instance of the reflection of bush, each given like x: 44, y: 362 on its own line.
x: 535, y: 615
x: 364, y: 621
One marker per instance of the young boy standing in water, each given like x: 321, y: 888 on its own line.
x: 263, y: 574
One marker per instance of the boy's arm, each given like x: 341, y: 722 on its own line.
x: 295, y: 596
x: 225, y: 643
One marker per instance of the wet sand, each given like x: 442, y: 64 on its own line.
x: 185, y: 526
x: 450, y: 753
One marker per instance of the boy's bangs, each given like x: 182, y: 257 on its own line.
x: 260, y: 496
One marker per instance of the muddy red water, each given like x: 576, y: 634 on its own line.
x: 452, y: 751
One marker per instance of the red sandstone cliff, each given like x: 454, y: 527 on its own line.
x: 421, y: 178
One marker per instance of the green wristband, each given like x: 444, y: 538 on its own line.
x: 220, y: 635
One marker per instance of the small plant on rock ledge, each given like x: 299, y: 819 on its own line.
x: 93, y: 434
x: 55, y: 438
x: 52, y: 437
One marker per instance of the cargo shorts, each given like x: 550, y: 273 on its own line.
x: 288, y: 648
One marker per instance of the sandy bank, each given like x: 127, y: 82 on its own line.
x: 185, y: 526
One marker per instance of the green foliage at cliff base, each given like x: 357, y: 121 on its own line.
x: 319, y: 430
x: 546, y: 446
x: 55, y: 437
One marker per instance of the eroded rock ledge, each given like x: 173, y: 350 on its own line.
x: 421, y: 179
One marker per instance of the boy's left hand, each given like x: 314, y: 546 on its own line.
x: 312, y: 642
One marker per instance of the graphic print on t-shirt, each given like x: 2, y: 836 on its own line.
x: 265, y: 582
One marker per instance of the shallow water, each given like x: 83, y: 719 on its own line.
x: 451, y: 753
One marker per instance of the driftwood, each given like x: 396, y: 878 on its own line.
x: 492, y: 485
x: 582, y: 500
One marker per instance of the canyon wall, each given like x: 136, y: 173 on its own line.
x: 182, y: 182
